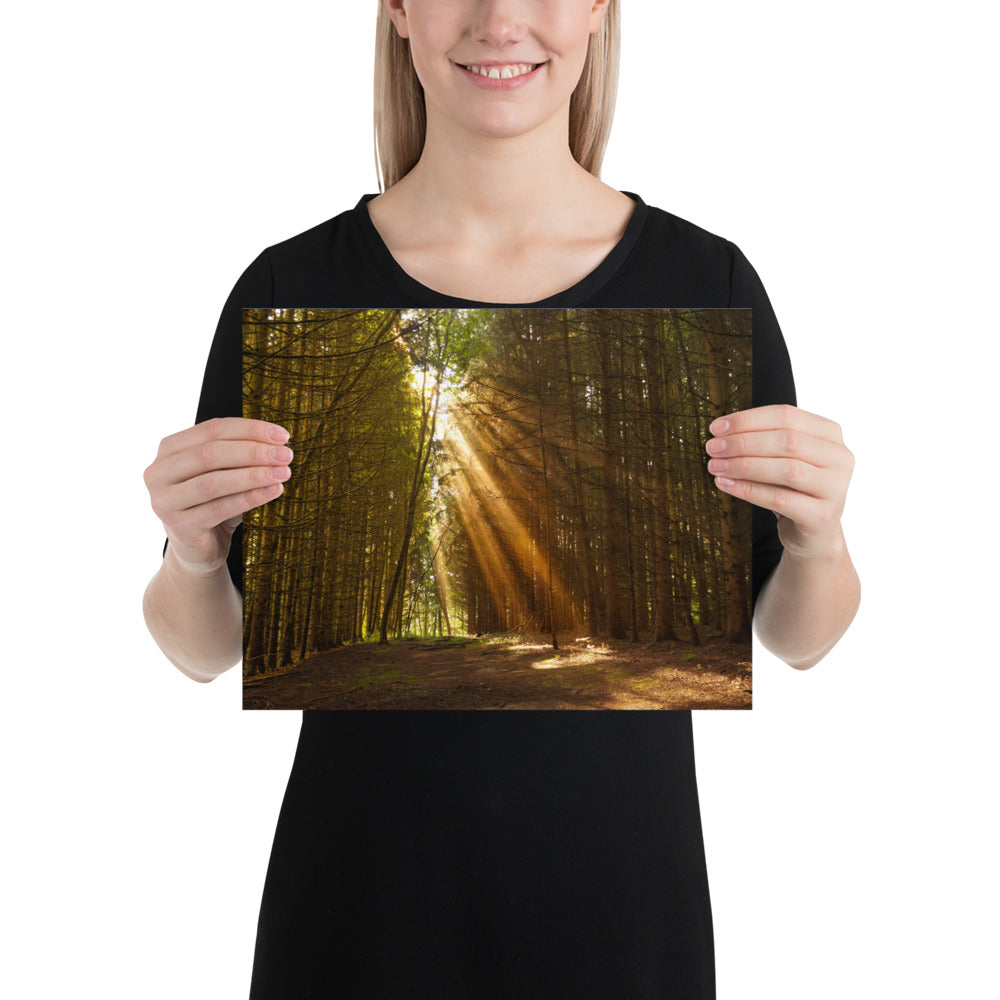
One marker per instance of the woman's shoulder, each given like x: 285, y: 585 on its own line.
x: 665, y: 227
x: 684, y: 261
x: 334, y: 251
x: 321, y: 237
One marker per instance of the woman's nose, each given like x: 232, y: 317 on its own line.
x: 499, y: 22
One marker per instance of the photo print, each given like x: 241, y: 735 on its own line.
x: 497, y: 509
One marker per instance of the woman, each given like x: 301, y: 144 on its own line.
x: 506, y: 854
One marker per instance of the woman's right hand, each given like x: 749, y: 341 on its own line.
x: 204, y: 478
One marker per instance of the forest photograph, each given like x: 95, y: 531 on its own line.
x: 497, y: 509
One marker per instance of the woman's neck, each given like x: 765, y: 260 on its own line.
x: 499, y: 219
x: 493, y: 188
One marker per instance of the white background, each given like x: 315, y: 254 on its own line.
x: 153, y: 150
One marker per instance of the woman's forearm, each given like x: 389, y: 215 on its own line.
x: 807, y: 604
x: 196, y: 619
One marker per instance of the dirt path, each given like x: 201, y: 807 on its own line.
x: 512, y: 672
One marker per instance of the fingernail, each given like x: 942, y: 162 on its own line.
x: 723, y: 481
x: 719, y: 426
x: 716, y: 446
x: 278, y: 434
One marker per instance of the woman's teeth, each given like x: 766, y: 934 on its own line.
x: 503, y: 72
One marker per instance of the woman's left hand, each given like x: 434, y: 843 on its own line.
x: 792, y: 462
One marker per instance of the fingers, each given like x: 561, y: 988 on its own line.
x: 781, y: 417
x: 799, y: 507
x: 783, y: 446
x: 216, y: 471
x: 786, y: 460
x: 217, y: 484
x: 196, y: 466
x: 193, y: 522
x: 222, y: 429
x: 790, y: 445
x: 220, y: 443
x: 800, y: 476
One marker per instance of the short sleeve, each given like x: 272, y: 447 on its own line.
x: 772, y: 383
x: 222, y: 384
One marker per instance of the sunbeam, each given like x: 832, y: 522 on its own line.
x: 505, y: 549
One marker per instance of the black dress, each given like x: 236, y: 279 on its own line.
x: 508, y: 854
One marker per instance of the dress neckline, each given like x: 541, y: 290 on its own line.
x: 577, y: 294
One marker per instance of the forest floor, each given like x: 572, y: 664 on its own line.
x: 512, y: 672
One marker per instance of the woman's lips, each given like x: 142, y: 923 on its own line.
x: 500, y: 76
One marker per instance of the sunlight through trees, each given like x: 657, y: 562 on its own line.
x: 486, y: 471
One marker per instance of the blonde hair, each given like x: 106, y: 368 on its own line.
x: 401, y: 120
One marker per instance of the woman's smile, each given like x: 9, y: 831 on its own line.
x: 500, y: 76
